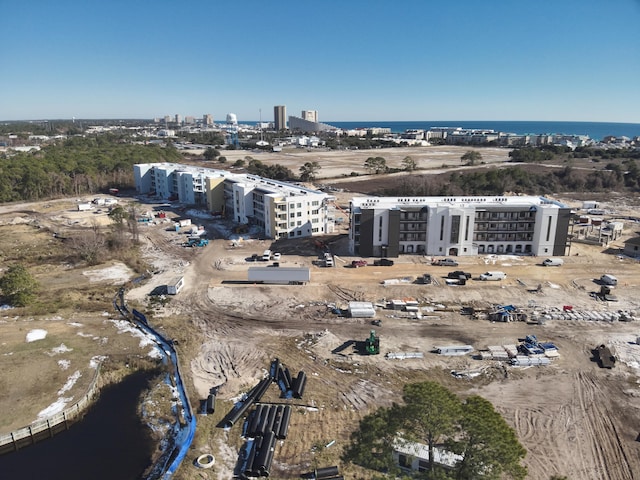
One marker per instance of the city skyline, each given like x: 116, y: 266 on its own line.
x: 359, y: 61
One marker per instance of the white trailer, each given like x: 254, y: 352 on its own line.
x: 175, y: 285
x: 279, y: 275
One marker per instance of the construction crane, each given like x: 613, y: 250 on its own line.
x: 372, y: 344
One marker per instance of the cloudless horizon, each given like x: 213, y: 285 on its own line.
x: 351, y: 61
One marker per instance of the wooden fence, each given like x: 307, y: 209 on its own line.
x: 47, y: 427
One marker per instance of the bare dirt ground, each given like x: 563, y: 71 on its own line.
x: 574, y: 418
x: 336, y: 164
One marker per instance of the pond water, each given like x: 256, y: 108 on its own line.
x: 111, y: 442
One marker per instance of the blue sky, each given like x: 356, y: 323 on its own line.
x: 349, y: 59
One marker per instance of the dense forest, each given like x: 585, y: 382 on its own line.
x: 496, y: 181
x: 76, y: 166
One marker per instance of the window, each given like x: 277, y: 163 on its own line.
x: 298, y: 233
x: 548, y: 230
x: 315, y: 203
x: 404, y: 461
x: 299, y: 222
x: 291, y: 205
x: 292, y: 224
x: 314, y: 212
x: 299, y: 205
x: 292, y: 215
x: 454, y: 237
x: 466, y: 231
x: 441, y: 229
x: 299, y: 214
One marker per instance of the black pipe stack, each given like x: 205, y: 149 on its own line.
x: 267, y: 423
x: 211, y: 403
x: 298, y: 384
x: 325, y: 473
x: 284, y: 382
x: 254, y: 396
x: 283, y: 428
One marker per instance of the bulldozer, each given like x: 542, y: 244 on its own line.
x: 372, y: 344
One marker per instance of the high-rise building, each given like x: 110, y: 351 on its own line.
x: 280, y: 117
x: 178, y: 118
x: 207, y: 119
x: 310, y: 115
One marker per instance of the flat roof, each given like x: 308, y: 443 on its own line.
x: 452, y: 201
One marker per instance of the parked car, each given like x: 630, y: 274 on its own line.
x: 359, y: 263
x: 383, y: 262
x: 458, y: 274
x: 445, y: 262
x: 425, y: 279
x: 276, y: 257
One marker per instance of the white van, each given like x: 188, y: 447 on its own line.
x: 493, y: 276
x: 266, y: 255
x: 608, y: 279
x: 553, y: 262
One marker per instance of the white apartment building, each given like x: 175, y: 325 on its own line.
x: 280, y: 209
x: 519, y: 225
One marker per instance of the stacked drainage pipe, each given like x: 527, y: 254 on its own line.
x: 298, y: 384
x: 267, y: 422
x: 284, y: 382
x: 283, y: 428
x: 254, y: 396
x: 325, y: 473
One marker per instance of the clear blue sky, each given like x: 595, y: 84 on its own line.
x: 349, y: 59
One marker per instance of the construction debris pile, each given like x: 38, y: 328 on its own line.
x: 529, y: 352
x: 555, y: 313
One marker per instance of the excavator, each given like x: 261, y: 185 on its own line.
x: 372, y: 344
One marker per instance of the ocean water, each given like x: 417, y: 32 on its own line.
x: 595, y: 130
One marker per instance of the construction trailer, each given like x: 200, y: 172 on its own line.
x: 175, y: 285
x: 361, y: 310
x: 280, y: 275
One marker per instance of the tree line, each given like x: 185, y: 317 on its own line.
x: 77, y: 166
x: 518, y: 179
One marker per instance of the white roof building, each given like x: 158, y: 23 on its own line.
x: 279, y: 208
x: 458, y: 225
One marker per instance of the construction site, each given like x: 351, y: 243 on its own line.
x: 554, y: 349
x: 369, y: 328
